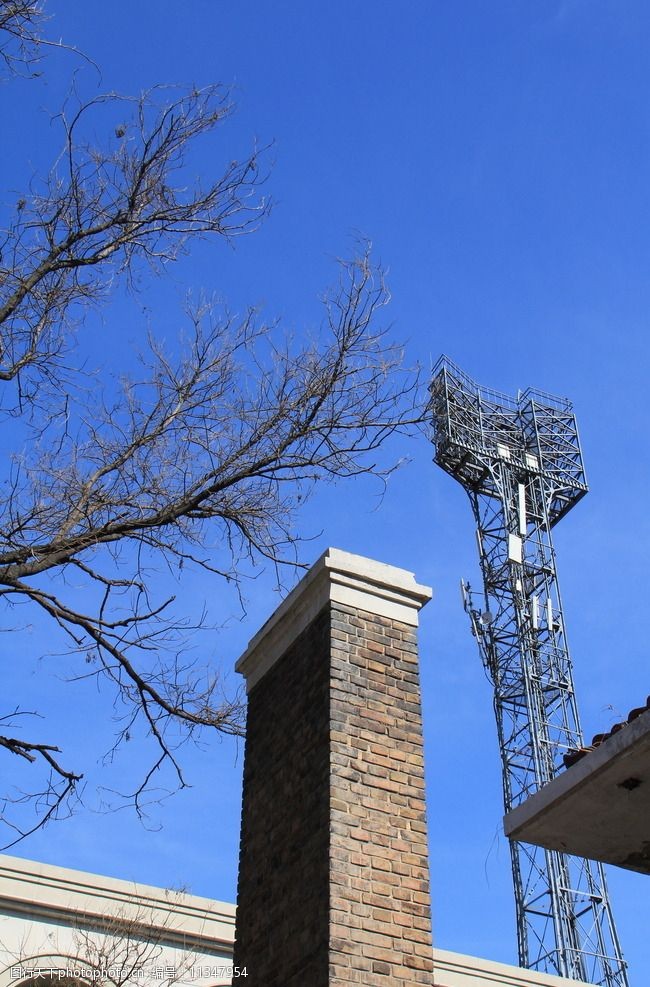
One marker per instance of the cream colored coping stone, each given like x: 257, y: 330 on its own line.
x: 457, y: 970
x: 337, y: 577
x: 47, y: 892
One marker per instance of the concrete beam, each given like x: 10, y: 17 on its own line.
x: 599, y: 808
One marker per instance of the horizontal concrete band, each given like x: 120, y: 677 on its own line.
x: 50, y: 893
x: 456, y: 970
x: 337, y: 577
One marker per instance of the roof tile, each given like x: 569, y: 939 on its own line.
x: 573, y: 756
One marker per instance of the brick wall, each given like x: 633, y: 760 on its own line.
x: 380, y: 923
x: 333, y: 880
x: 282, y: 899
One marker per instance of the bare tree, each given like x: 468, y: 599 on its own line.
x: 20, y: 20
x: 133, y: 943
x: 216, y: 440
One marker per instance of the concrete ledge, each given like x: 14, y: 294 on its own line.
x: 456, y: 970
x: 600, y: 807
x: 42, y: 891
x: 337, y: 577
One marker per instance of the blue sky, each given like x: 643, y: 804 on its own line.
x: 497, y: 155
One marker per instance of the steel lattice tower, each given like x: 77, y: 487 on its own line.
x: 519, y: 461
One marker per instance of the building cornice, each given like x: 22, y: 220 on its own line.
x: 43, y: 891
x: 457, y: 970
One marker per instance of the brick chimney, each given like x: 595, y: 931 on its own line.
x: 333, y: 870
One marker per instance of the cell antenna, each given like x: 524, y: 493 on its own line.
x: 519, y: 460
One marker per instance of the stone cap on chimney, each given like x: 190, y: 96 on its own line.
x: 337, y: 577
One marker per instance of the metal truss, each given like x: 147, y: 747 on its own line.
x: 520, y: 462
